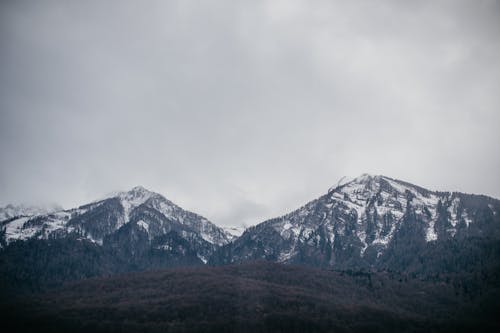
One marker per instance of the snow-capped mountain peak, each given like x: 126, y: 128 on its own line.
x: 384, y: 196
x: 138, y: 191
x: 362, y: 219
x: 150, y: 212
x: 137, y: 196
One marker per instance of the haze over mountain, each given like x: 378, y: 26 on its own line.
x: 11, y: 210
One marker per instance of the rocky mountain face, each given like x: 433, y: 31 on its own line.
x: 375, y: 222
x: 129, y: 224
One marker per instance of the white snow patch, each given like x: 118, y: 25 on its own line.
x: 234, y: 231
x: 202, y: 258
x: 143, y: 225
x: 362, y: 237
x: 453, y: 210
x: 164, y: 247
x: 14, y: 230
x: 385, y: 240
x: 306, y: 232
x: 285, y: 256
x: 132, y: 199
x: 430, y: 234
x: 466, y: 218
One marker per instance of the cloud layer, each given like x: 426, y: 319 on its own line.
x: 244, y: 110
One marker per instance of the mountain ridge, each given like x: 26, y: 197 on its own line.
x: 123, y: 205
x: 370, y: 222
x: 360, y: 220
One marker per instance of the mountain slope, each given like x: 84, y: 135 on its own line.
x: 94, y: 221
x: 370, y: 221
x: 128, y: 231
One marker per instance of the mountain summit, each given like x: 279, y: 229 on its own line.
x: 137, y: 218
x: 371, y: 220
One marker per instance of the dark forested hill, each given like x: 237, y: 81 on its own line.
x: 259, y: 297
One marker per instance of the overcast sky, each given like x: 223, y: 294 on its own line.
x: 244, y: 110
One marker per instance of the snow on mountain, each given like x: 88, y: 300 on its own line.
x: 361, y: 218
x: 390, y: 199
x: 234, y: 231
x: 359, y: 222
x: 95, y: 221
x: 132, y: 199
x: 11, y: 211
x: 367, y: 196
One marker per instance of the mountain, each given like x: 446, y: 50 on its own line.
x: 367, y: 223
x: 128, y: 231
x: 150, y: 212
x: 376, y: 222
x: 11, y: 211
x: 386, y: 255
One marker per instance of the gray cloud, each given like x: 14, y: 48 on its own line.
x: 243, y: 110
